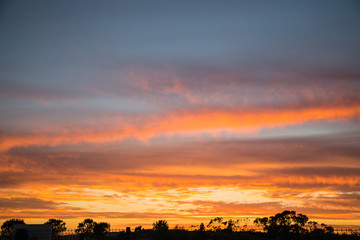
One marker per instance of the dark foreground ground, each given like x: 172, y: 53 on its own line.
x: 209, y: 235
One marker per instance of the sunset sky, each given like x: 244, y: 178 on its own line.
x: 134, y: 111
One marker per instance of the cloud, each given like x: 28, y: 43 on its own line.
x: 302, y: 155
x: 320, y: 171
x: 178, y: 86
x: 293, y: 165
x: 27, y: 203
x: 140, y: 216
x: 235, y: 121
x: 220, y: 208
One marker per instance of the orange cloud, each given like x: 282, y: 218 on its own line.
x: 211, y: 121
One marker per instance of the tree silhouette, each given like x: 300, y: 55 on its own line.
x: 85, y: 228
x: 58, y: 226
x: 7, y: 227
x: 317, y: 230
x: 202, y: 227
x: 89, y: 227
x: 231, y: 225
x: 160, y: 225
x: 138, y: 229
x: 216, y: 224
x: 100, y: 229
x: 287, y: 225
x: 161, y: 228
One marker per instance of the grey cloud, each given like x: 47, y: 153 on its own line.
x: 322, y: 149
x: 324, y: 171
x: 27, y: 203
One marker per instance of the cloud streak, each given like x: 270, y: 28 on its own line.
x: 235, y: 120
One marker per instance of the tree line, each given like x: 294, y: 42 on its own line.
x: 86, y: 228
x: 287, y: 225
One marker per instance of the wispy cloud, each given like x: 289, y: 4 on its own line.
x: 147, y: 127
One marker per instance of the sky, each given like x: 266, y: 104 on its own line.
x: 133, y: 111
